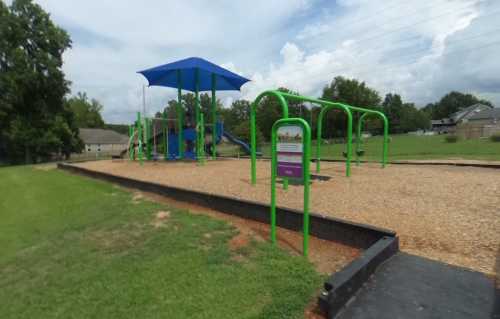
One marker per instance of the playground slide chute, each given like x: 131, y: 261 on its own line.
x: 233, y: 139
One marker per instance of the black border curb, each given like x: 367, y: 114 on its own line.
x: 378, y: 244
x: 343, y: 285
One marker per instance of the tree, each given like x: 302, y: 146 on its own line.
x: 412, y: 119
x: 451, y: 103
x: 348, y: 91
x: 34, y: 121
x: 237, y: 113
x: 393, y: 109
x: 403, y: 117
x: 87, y: 113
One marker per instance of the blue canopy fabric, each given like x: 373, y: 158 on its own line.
x: 166, y: 75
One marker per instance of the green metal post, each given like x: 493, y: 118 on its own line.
x: 197, y: 110
x: 386, y: 140
x: 147, y: 129
x: 139, y: 138
x: 180, y: 122
x: 202, y: 139
x: 131, y: 142
x: 165, y: 134
x: 214, y: 117
x: 358, y: 137
x: 306, y: 140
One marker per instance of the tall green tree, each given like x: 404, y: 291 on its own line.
x: 404, y: 117
x: 393, y: 109
x: 87, y: 112
x: 349, y: 91
x: 34, y: 121
x: 237, y: 113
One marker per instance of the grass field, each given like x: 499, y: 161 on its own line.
x: 73, y: 247
x: 405, y: 147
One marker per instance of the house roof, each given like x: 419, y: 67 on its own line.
x: 487, y: 114
x: 445, y: 121
x: 102, y: 136
x: 468, y: 112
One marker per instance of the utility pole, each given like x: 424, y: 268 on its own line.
x: 144, y: 100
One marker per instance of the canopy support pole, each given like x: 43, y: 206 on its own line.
x: 214, y: 118
x: 197, y: 112
x: 165, y: 134
x: 180, y: 116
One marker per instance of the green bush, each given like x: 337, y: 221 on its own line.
x: 451, y: 138
x: 495, y: 137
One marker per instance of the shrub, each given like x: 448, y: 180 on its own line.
x: 495, y: 137
x: 451, y: 138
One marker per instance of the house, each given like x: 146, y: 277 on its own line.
x: 103, y: 142
x: 448, y: 125
x: 482, y: 124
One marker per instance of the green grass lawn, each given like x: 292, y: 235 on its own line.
x: 72, y: 247
x: 405, y: 147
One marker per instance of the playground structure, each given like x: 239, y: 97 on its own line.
x: 195, y: 75
x: 156, y: 138
x: 326, y: 106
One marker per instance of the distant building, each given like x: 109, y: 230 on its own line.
x: 448, y: 125
x: 103, y: 142
x: 482, y: 124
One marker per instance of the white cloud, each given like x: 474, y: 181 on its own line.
x: 395, y: 52
x: 416, y: 48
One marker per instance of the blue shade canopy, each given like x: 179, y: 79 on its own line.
x: 166, y: 75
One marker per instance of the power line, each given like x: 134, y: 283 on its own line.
x: 389, y: 32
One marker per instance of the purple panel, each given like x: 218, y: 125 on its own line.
x: 286, y: 169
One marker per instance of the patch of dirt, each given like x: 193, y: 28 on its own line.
x: 116, y: 240
x: 239, y: 241
x: 45, y: 167
x: 160, y: 219
x: 313, y: 311
x: 137, y: 197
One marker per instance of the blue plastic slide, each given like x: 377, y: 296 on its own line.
x: 235, y: 140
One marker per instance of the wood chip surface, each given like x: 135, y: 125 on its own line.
x: 446, y: 213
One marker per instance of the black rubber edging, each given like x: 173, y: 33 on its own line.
x: 378, y: 244
x: 343, y: 285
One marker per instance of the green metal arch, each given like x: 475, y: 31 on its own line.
x: 385, y: 121
x: 253, y: 139
x: 324, y: 110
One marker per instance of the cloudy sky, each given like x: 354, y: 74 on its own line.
x: 420, y: 49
